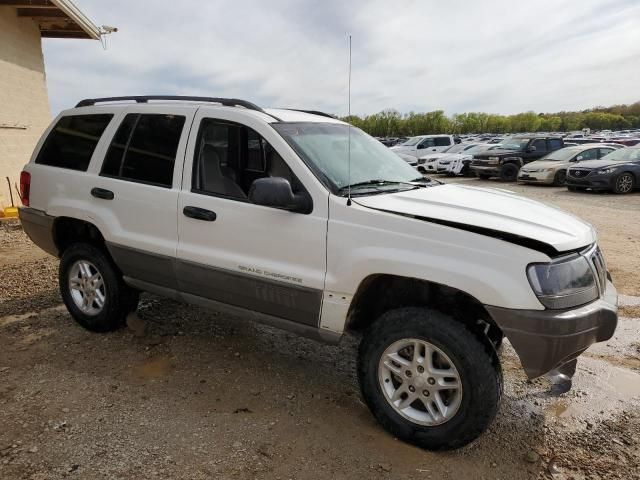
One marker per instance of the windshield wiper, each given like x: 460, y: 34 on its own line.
x: 379, y: 182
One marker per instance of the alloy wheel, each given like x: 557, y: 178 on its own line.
x: 624, y: 183
x: 87, y: 287
x: 420, y: 382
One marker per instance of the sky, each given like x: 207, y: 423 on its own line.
x: 496, y: 56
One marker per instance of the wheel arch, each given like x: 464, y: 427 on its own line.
x: 69, y: 230
x: 379, y: 293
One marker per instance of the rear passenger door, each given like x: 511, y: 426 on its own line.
x: 134, y: 191
x: 233, y: 251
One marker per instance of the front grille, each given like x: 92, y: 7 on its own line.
x: 595, y: 257
x: 601, y: 269
x: 579, y: 173
x: 480, y: 163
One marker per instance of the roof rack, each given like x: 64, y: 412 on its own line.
x: 227, y: 102
x: 312, y: 112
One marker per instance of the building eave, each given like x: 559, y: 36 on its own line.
x: 78, y: 17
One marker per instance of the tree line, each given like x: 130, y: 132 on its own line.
x: 391, y: 123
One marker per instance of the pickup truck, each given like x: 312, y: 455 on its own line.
x: 423, y: 144
x: 506, y: 160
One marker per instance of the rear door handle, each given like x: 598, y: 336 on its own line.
x: 102, y: 193
x: 199, y: 213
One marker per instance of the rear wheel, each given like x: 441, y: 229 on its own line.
x: 93, y: 290
x: 560, y: 178
x: 624, y: 183
x: 509, y: 172
x: 428, y: 379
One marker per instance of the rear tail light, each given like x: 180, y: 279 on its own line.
x: 25, y: 187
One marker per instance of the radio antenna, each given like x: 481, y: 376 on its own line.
x: 349, y: 131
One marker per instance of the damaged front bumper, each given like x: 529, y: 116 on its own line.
x: 550, y: 341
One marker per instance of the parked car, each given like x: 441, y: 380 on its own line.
x: 552, y: 168
x: 259, y: 212
x: 506, y: 160
x: 422, y: 144
x: 410, y: 159
x: 460, y: 163
x: 618, y: 172
x: 429, y: 163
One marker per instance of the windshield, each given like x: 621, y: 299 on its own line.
x: 412, y: 141
x: 324, y: 148
x: 624, y: 155
x: 562, y: 155
x: 457, y: 148
x: 480, y: 148
x: 513, y: 144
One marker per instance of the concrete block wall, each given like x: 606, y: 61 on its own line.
x: 24, y: 105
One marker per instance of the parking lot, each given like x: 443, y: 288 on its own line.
x: 191, y: 393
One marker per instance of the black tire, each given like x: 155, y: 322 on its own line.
x: 509, y: 172
x: 624, y: 183
x: 483, y: 176
x: 475, y: 359
x: 560, y: 178
x: 119, y: 299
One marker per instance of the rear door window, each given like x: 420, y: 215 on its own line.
x: 73, y: 140
x: 144, y: 149
x: 442, y: 141
x: 555, y: 144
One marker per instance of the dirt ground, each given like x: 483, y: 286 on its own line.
x: 202, y: 395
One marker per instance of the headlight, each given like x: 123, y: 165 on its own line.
x: 606, y: 170
x: 564, y: 283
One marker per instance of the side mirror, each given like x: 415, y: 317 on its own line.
x: 531, y: 149
x: 421, y: 146
x: 578, y: 158
x: 276, y: 192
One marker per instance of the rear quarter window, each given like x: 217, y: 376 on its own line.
x: 72, y: 141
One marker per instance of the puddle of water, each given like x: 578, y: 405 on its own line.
x: 559, y: 409
x: 154, y: 368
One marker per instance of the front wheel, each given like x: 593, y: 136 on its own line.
x: 428, y: 379
x: 93, y: 290
x: 623, y: 183
x: 509, y: 172
x: 560, y: 178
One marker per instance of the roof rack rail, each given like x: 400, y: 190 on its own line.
x: 312, y: 112
x: 227, y: 102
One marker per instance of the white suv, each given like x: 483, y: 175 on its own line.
x: 218, y: 202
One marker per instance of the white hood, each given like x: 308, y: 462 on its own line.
x: 408, y: 150
x: 492, y: 209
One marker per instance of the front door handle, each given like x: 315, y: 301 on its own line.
x: 199, y: 213
x: 102, y: 193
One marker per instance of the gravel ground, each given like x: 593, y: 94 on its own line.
x: 195, y: 394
